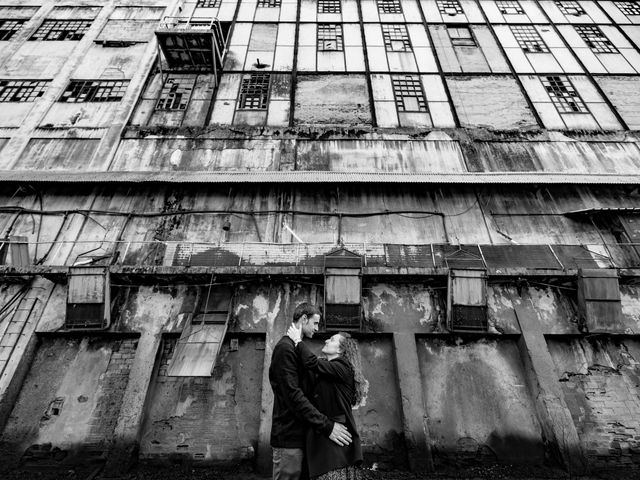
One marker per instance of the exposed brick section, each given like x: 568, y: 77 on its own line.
x: 605, y: 406
x: 207, y: 418
x: 113, y: 384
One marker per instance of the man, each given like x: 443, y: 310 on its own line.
x: 292, y: 410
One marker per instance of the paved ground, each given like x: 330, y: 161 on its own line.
x: 241, y: 472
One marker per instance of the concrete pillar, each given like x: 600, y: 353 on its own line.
x: 123, y: 452
x: 263, y: 455
x: 557, y: 425
x: 416, y: 432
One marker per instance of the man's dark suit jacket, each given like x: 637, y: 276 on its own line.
x: 293, y: 413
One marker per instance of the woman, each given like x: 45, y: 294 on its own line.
x: 339, y: 385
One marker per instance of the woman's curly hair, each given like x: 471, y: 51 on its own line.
x: 351, y: 353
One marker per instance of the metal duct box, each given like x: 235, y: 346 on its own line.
x: 342, y: 290
x: 88, y: 298
x: 599, y: 305
x: 467, y: 301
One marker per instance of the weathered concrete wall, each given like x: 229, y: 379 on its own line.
x: 210, y: 418
x: 477, y: 403
x: 600, y: 378
x: 70, y: 401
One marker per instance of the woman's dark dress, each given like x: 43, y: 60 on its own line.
x: 333, y: 396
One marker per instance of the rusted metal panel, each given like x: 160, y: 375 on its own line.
x: 520, y: 256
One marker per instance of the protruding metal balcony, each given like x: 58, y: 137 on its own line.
x: 192, y: 44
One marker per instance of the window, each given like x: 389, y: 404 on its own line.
x: 330, y: 37
x: 80, y: 91
x: 389, y: 6
x: 563, y: 95
x: 570, y: 8
x: 529, y: 39
x: 409, y: 93
x: 21, y: 90
x: 208, y: 3
x: 508, y: 7
x: 62, y: 30
x: 176, y: 92
x: 396, y: 38
x: 629, y: 8
x: 595, y: 39
x: 329, y: 6
x: 8, y: 28
x: 449, y: 7
x: 269, y: 3
x: 460, y: 36
x: 254, y: 91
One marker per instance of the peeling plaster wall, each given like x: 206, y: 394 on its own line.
x: 404, y: 308
x: 556, y: 308
x: 70, y: 401
x: 378, y: 417
x: 600, y: 378
x: 478, y: 406
x: 210, y: 418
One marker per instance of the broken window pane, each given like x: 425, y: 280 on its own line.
x: 409, y: 93
x: 254, y: 91
x: 396, y: 38
x: 563, y: 95
x: 529, y: 39
x: 570, y: 8
x: 449, y: 7
x: 9, y: 27
x: 330, y: 37
x: 509, y: 7
x: 389, y: 6
x: 21, y: 90
x: 595, y: 39
x: 176, y: 92
x: 94, y: 91
x: 58, y: 30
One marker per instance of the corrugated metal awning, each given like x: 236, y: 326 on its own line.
x: 204, y: 177
x: 603, y: 210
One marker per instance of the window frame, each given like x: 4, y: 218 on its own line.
x: 524, y: 35
x: 167, y: 101
x: 33, y: 91
x: 408, y: 83
x: 565, y: 7
x: 48, y: 26
x: 263, y: 102
x: 389, y: 37
x: 509, y: 4
x: 561, y: 100
x: 94, y: 95
x: 386, y: 7
x: 329, y: 6
x: 472, y: 42
x: 334, y: 29
x: 602, y: 45
x: 455, y: 5
x: 9, y: 33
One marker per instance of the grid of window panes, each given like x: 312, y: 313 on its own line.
x: 509, y: 7
x: 55, y: 30
x: 389, y: 6
x: 176, y: 92
x: 409, y: 93
x: 396, y: 38
x: 563, y: 95
x: 460, y: 36
x: 8, y: 28
x: 570, y: 8
x: 449, y: 7
x: 208, y: 3
x: 21, y: 90
x: 269, y: 3
x: 81, y: 91
x: 529, y: 39
x: 629, y: 8
x: 595, y: 39
x: 330, y: 37
x: 254, y: 91
x: 329, y: 6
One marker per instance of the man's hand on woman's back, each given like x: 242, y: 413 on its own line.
x: 340, y: 435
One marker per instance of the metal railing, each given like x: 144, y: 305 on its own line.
x: 437, y: 255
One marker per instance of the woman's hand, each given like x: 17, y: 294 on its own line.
x: 295, y: 333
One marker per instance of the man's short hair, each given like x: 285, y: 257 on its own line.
x: 305, y: 309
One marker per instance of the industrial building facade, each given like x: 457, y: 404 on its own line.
x: 456, y: 182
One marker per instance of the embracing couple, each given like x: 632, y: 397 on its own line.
x: 313, y: 433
